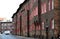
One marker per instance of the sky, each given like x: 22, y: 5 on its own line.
x: 8, y: 8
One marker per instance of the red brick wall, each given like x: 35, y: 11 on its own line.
x: 24, y: 23
x: 57, y: 16
x: 34, y: 12
x: 18, y: 23
x: 14, y: 24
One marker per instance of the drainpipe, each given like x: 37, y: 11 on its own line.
x: 28, y: 23
x: 39, y: 17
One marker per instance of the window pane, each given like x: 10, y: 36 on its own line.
x: 52, y: 4
x: 43, y: 8
x: 52, y: 24
x: 49, y: 5
x: 42, y: 25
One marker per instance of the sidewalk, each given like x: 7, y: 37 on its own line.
x: 26, y: 37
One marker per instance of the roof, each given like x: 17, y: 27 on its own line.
x: 13, y: 15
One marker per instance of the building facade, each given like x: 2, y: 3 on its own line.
x: 36, y: 18
x: 0, y: 27
x: 6, y: 26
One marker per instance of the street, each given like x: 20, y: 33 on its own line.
x: 3, y: 36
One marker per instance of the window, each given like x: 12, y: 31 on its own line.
x: 43, y: 25
x: 5, y: 24
x: 2, y: 24
x: 34, y: 0
x: 43, y: 8
x: 51, y: 4
x: 52, y: 24
x: 2, y: 28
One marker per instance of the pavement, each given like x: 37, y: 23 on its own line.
x: 25, y: 37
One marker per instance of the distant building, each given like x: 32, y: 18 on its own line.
x: 6, y: 26
x: 1, y: 19
x: 0, y: 27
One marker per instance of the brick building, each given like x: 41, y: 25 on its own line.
x: 36, y: 18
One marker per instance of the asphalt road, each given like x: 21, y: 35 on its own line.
x: 3, y: 36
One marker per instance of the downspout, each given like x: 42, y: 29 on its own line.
x: 39, y: 17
